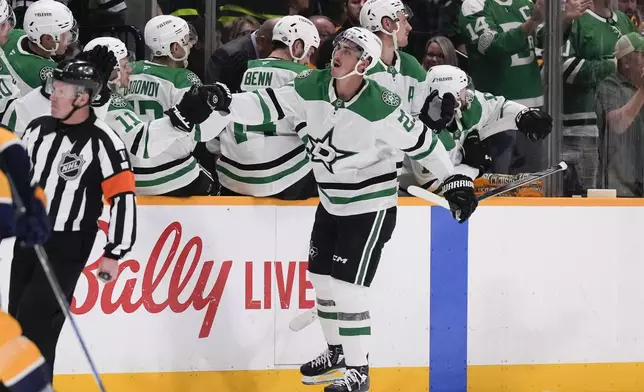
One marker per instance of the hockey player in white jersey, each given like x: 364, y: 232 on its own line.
x: 157, y: 88
x: 351, y: 127
x: 270, y: 159
x: 476, y: 117
x: 8, y: 89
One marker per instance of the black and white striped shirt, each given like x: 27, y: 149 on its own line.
x: 77, y: 165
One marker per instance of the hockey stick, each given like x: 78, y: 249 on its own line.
x: 303, y: 319
x: 55, y: 285
x: 438, y: 200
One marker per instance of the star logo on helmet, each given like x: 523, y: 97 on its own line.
x: 46, y: 72
x: 304, y: 74
x: 390, y: 98
x: 323, y: 151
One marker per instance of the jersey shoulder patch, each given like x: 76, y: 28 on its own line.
x: 375, y: 103
x: 117, y: 102
x: 471, y: 7
x: 409, y: 66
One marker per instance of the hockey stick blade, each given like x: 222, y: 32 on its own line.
x: 440, y: 201
x: 303, y: 320
x: 55, y: 286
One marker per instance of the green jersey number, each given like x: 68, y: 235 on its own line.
x: 407, y: 122
x: 128, y: 121
x: 148, y: 108
x: 241, y: 131
x: 523, y: 58
x: 5, y: 91
x: 479, y: 26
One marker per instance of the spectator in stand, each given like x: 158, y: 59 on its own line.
x: 352, y: 10
x: 325, y: 28
x: 501, y: 38
x: 433, y: 18
x: 242, y: 27
x: 629, y: 7
x: 439, y: 51
x: 620, y: 118
x: 229, y: 62
x: 588, y: 59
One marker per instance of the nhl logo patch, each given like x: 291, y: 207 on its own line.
x: 390, y: 98
x: 304, y: 74
x: 46, y: 72
x: 194, y: 79
x: 70, y: 166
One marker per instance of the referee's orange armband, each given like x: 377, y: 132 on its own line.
x: 122, y: 182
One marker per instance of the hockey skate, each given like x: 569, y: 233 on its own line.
x: 327, y: 367
x: 356, y: 379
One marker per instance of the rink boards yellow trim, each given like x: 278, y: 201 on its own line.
x: 591, y: 377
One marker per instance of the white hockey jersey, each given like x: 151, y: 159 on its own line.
x: 153, y: 89
x: 266, y: 159
x: 406, y: 77
x: 486, y: 113
x: 351, y: 144
x: 140, y: 138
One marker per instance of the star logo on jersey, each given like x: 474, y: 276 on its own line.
x: 304, y: 73
x: 323, y: 151
x: 390, y: 98
x: 117, y: 101
x: 71, y: 166
x: 46, y: 72
x: 194, y: 79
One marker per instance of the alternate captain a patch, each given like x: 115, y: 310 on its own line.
x: 70, y: 166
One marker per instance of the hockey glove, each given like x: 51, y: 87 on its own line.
x: 534, y: 123
x: 458, y: 190
x: 436, y: 113
x: 105, y: 62
x: 475, y: 153
x: 33, y: 226
x: 219, y: 97
x: 193, y: 109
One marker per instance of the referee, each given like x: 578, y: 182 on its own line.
x: 78, y: 161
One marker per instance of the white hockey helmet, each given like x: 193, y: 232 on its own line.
x: 367, y: 43
x: 49, y: 17
x: 6, y: 13
x: 373, y: 11
x: 449, y: 79
x: 118, y: 48
x: 293, y: 27
x: 164, y: 30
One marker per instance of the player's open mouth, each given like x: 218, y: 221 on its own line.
x: 336, y: 64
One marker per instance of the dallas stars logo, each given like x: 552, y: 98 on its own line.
x: 390, y: 98
x: 323, y: 151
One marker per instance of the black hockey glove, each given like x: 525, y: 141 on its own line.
x: 475, y: 153
x: 219, y: 97
x: 193, y: 109
x: 105, y: 62
x: 458, y: 190
x: 534, y: 123
x: 436, y: 113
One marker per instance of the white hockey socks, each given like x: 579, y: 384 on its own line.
x: 327, y: 313
x: 354, y: 321
x: 22, y: 367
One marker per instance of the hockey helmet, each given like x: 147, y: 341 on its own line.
x: 78, y: 73
x: 365, y: 42
x: 449, y: 79
x: 373, y: 11
x: 6, y: 13
x: 118, y: 48
x: 164, y: 30
x: 291, y: 28
x: 49, y: 17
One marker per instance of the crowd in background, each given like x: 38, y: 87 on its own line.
x: 602, y: 98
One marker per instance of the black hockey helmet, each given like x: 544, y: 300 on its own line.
x: 81, y: 73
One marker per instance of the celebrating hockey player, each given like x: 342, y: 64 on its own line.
x: 476, y: 117
x: 8, y: 89
x: 22, y: 367
x: 351, y: 127
x: 49, y: 29
x: 157, y: 87
x: 270, y: 159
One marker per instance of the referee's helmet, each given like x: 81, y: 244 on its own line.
x: 80, y: 73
